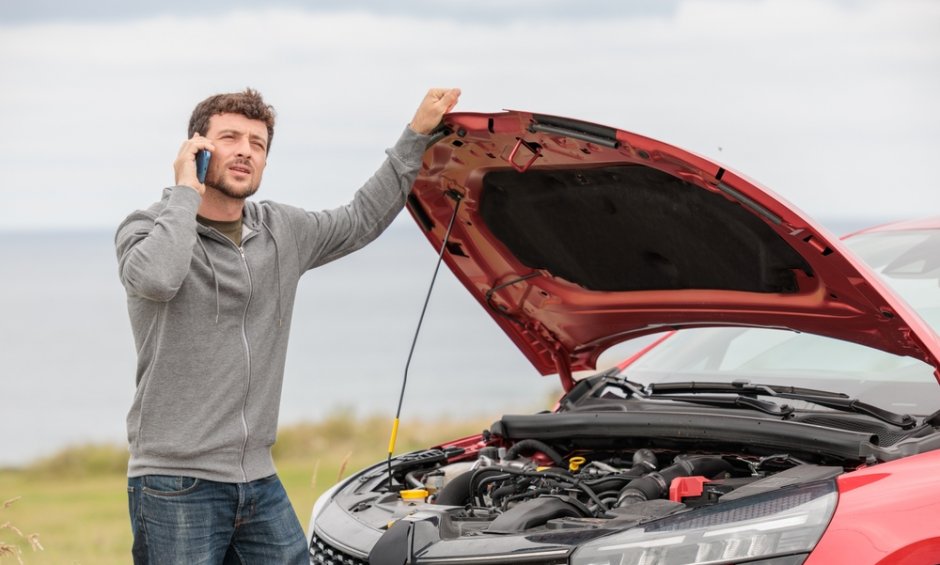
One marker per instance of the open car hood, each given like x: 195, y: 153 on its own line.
x: 575, y: 236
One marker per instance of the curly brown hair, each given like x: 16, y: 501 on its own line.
x: 248, y: 103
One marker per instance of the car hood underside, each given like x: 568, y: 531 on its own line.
x: 576, y: 236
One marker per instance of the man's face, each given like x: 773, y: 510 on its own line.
x: 241, y: 151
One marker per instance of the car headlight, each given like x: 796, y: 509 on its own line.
x: 788, y: 522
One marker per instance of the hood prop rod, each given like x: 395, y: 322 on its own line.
x: 454, y: 195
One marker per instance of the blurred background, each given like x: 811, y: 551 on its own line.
x: 831, y: 103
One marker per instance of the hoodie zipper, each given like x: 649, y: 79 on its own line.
x: 241, y: 251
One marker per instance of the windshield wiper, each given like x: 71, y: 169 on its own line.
x: 741, y: 401
x: 737, y: 401
x: 829, y: 399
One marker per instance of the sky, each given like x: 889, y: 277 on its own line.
x: 831, y: 104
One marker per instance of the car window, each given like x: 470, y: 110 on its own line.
x: 740, y: 352
x: 909, y: 262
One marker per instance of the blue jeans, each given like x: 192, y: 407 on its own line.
x: 195, y: 521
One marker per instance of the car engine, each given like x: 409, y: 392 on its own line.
x: 533, y: 486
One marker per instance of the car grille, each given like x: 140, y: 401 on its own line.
x: 322, y: 553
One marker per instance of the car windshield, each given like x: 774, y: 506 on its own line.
x: 909, y: 261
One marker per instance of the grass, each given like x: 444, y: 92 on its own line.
x: 76, y: 500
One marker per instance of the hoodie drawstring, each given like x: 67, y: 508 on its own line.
x: 215, y: 277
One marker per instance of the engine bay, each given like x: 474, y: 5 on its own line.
x: 532, y: 486
x: 611, y: 461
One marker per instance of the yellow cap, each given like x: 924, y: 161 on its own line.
x: 575, y: 463
x: 414, y: 495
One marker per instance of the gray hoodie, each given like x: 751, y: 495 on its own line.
x: 211, y: 319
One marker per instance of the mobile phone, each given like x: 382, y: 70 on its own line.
x: 202, y: 164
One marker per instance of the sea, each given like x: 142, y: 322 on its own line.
x: 68, y: 360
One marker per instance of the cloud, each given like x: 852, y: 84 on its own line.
x: 831, y: 104
x: 487, y: 11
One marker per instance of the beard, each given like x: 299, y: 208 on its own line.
x: 232, y: 192
x: 218, y: 183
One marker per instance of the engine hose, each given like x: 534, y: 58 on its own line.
x: 644, y: 461
x: 535, y: 445
x: 476, y: 486
x: 457, y: 491
x: 615, y: 483
x: 412, y: 479
x: 656, y: 485
x: 502, y: 492
x: 483, y: 476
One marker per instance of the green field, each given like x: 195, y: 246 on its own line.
x: 76, y: 501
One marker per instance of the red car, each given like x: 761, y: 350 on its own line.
x: 790, y: 412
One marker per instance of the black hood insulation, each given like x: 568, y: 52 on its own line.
x: 630, y: 227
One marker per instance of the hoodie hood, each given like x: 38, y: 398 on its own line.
x: 575, y: 236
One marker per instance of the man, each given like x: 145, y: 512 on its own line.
x: 210, y: 280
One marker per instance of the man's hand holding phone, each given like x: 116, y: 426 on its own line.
x: 192, y: 162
